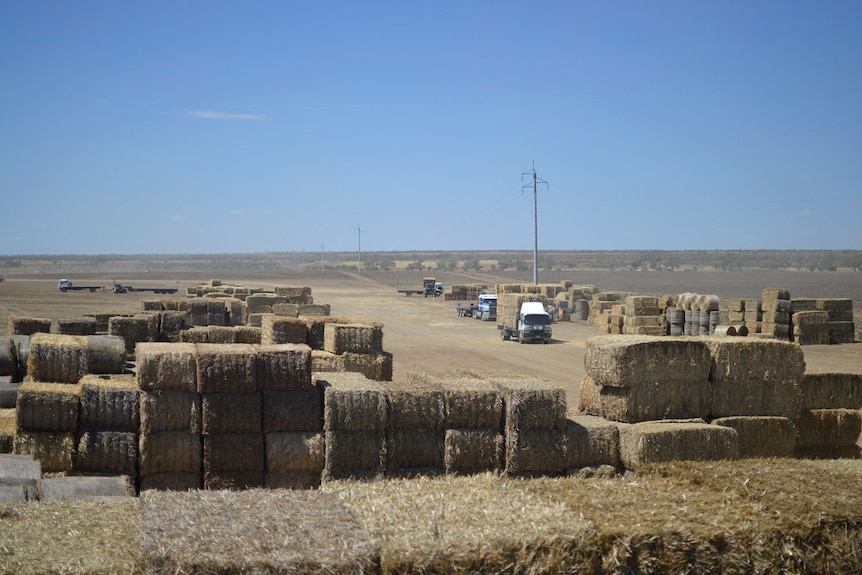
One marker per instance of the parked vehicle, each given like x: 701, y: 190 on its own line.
x: 465, y: 309
x: 430, y: 288
x: 486, y: 307
x: 65, y: 285
x: 120, y: 288
x: 533, y: 324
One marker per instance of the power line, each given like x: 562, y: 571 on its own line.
x: 536, y: 181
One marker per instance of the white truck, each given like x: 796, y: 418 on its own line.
x: 532, y: 323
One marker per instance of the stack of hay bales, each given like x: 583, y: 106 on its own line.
x: 221, y: 334
x: 277, y: 329
x: 107, y: 440
x: 762, y: 436
x: 295, y: 294
x: 591, y: 442
x: 642, y: 378
x: 534, y: 424
x: 474, y: 416
x: 753, y: 315
x: 141, y: 327
x: 830, y: 422
x: 660, y: 441
x: 509, y: 306
x: 841, y: 326
x: 735, y: 311
x: 643, y: 316
x: 502, y: 288
x: 776, y: 306
x: 67, y: 358
x: 355, y: 411
x: 579, y: 301
x: 601, y: 307
x: 464, y: 291
x: 28, y: 325
x: 349, y: 345
x: 415, y: 428
x: 47, y: 423
x: 617, y: 319
x: 810, y: 327
x: 77, y: 326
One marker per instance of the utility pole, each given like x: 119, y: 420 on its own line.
x: 322, y: 251
x: 359, y: 249
x: 536, y: 181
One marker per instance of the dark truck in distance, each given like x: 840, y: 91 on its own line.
x: 65, y: 285
x: 430, y: 288
x: 120, y: 288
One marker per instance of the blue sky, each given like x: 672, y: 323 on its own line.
x: 212, y: 127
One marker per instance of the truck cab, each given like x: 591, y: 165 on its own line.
x: 534, y: 323
x: 432, y: 287
x: 486, y: 307
x: 64, y: 284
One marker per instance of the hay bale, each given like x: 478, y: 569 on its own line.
x: 277, y: 329
x: 170, y: 482
x: 8, y: 357
x: 355, y: 454
x: 113, y: 452
x: 194, y: 335
x: 416, y: 405
x: 533, y: 452
x: 314, y: 309
x: 809, y: 318
x: 8, y: 425
x: 304, y: 532
x: 220, y: 334
x: 106, y: 354
x: 842, y: 332
x: 292, y: 410
x: 839, y: 309
x: 352, y: 402
x: 110, y: 402
x: 657, y: 442
x: 28, y: 325
x: 58, y: 358
x: 248, y: 334
x: 283, y: 367
x: 230, y: 413
x: 48, y: 406
x: 591, y: 441
x: 286, y: 309
x: 472, y: 450
x: 626, y: 361
x: 762, y: 436
x: 166, y: 366
x: 233, y: 480
x: 775, y: 293
x: 168, y: 410
x: 637, y: 305
x: 831, y: 391
x: 326, y: 362
x: 76, y: 488
x: 170, y: 452
x: 295, y: 451
x: 233, y: 452
x: 134, y: 329
x: 353, y: 338
x: 414, y: 451
x: 225, y: 368
x: 532, y: 404
x: 473, y: 404
x: 85, y: 325
x: 53, y: 450
x: 256, y: 319
x: 152, y: 305
x: 294, y: 294
x: 376, y: 366
x: 829, y: 427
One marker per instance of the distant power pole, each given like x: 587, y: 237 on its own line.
x: 536, y: 181
x: 359, y: 249
x: 322, y: 251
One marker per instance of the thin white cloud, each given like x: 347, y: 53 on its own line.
x: 213, y: 115
x: 235, y: 212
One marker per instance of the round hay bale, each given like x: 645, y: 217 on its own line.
x: 741, y: 330
x: 107, y: 354
x: 724, y: 330
x: 707, y: 303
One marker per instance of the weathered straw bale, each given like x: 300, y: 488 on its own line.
x: 376, y: 366
x: 828, y: 427
x: 473, y: 404
x: 110, y: 402
x: 839, y: 309
x: 283, y: 367
x: 194, y: 335
x: 780, y: 331
x: 256, y: 319
x: 842, y: 332
x: 414, y: 450
x: 637, y: 305
x: 532, y: 404
x: 754, y: 397
x: 304, y: 532
x: 230, y: 413
x: 775, y: 316
x: 807, y: 318
x: 314, y: 309
x: 28, y: 325
x: 168, y: 410
x: 264, y: 298
x: 416, y: 405
x: 170, y: 452
x: 352, y: 338
x: 531, y: 452
x: 831, y: 391
x: 233, y: 311
x: 355, y: 454
x: 591, y: 441
x: 656, y: 442
x: 296, y: 294
x: 248, y: 334
x: 52, y: 449
x: 85, y: 325
x: 233, y: 480
x: 8, y: 357
x: 105, y: 354
x: 8, y: 425
x: 276, y: 329
x: 295, y: 451
x: 473, y: 450
x: 233, y: 452
x: 113, y: 489
x: 220, y: 334
x: 48, y: 406
x: 762, y: 436
x: 352, y: 402
x: 775, y: 293
x: 217, y: 319
x: 114, y: 452
x: 625, y: 361
x: 132, y: 329
x: 57, y: 358
x: 191, y: 481
x: 225, y: 368
x: 811, y: 334
x: 166, y: 366
x: 292, y: 410
x: 286, y: 309
x: 317, y: 325
x: 152, y: 305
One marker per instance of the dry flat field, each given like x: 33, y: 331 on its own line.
x: 426, y: 335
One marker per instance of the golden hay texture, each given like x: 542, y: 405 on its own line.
x: 629, y: 361
x: 28, y: 325
x: 314, y: 309
x: 268, y: 532
x: 831, y: 391
x: 468, y: 451
x: 295, y: 451
x: 362, y: 338
x: 286, y: 309
x: 71, y: 537
x: 352, y: 402
x: 276, y: 329
x: 415, y: 405
x: 225, y: 368
x: 283, y: 367
x: 376, y: 366
x: 77, y: 326
x: 230, y: 413
x: 659, y: 441
x: 220, y: 334
x: 166, y: 366
x: 52, y: 449
x: 233, y: 452
x: 107, y: 452
x: 8, y: 424
x: 292, y: 410
x: 110, y: 402
x: 828, y: 427
x: 166, y: 410
x: 591, y: 441
x: 472, y: 403
x: 57, y: 358
x: 357, y: 454
x: 48, y: 406
x: 194, y: 335
x: 647, y: 401
x: 532, y: 404
x: 534, y: 452
x: 248, y: 334
x: 762, y: 436
x: 134, y: 329
x: 170, y: 452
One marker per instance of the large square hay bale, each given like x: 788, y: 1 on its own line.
x: 775, y: 293
x: 171, y: 324
x: 166, y: 366
x: 225, y: 368
x: 416, y: 405
x: 314, y: 309
x: 220, y: 334
x: 762, y: 436
x: 167, y: 410
x: 194, y: 335
x: 326, y: 362
x: 352, y: 338
x: 295, y: 294
x: 8, y: 425
x: 754, y: 397
x: 85, y: 325
x: 231, y: 413
x: 283, y: 367
x: 295, y: 451
x: 532, y: 404
x: 471, y: 450
x: 109, y: 452
x: 415, y: 450
x: 831, y: 391
x: 376, y: 366
x: 842, y: 332
x: 591, y: 441
x: 534, y: 452
x: 48, y: 406
x: 170, y: 452
x: 627, y: 361
x: 276, y: 329
x: 110, y: 402
x: 473, y: 403
x: 248, y: 334
x: 642, y: 305
x: 58, y: 358
x: 304, y: 532
x: 286, y: 309
x: 53, y: 450
x: 352, y: 402
x: 839, y: 309
x: 656, y: 442
x: 831, y: 427
x: 134, y: 329
x: 28, y: 325
x: 292, y: 410
x: 317, y: 325
x: 355, y: 454
x: 233, y: 452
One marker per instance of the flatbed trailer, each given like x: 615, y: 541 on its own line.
x: 120, y: 288
x: 65, y: 285
x: 466, y: 309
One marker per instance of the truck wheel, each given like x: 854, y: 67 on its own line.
x: 504, y: 335
x: 520, y: 338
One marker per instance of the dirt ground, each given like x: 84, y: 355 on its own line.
x: 425, y: 335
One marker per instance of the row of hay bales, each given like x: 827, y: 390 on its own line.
x: 460, y: 292
x: 757, y: 387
